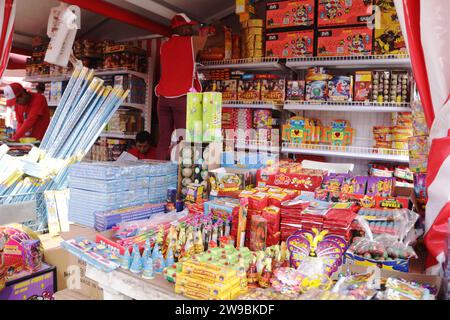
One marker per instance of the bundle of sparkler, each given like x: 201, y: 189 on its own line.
x: 85, y: 108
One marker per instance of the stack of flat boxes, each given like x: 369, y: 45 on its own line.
x: 101, y: 186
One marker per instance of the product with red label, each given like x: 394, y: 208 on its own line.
x: 249, y: 90
x: 347, y: 41
x: 294, y: 13
x: 363, y: 86
x: 228, y: 88
x: 273, y: 90
x: 344, y: 12
x: 258, y: 233
x: 272, y: 216
x: 298, y: 181
x: 290, y: 44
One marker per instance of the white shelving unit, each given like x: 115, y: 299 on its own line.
x: 243, y: 64
x: 252, y: 105
x: 46, y: 78
x: 354, y: 152
x: 347, y: 106
x: 117, y: 135
x: 353, y: 62
x: 122, y: 71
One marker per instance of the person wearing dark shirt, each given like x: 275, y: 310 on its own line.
x: 143, y: 149
x: 32, y: 112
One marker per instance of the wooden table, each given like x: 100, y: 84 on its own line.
x: 122, y: 284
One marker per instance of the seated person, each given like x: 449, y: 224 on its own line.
x: 143, y: 149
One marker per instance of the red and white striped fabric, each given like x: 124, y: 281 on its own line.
x: 424, y: 22
x: 7, y: 15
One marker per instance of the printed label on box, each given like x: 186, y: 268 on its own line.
x: 345, y: 42
x: 284, y: 14
x: 290, y: 44
x: 344, y: 12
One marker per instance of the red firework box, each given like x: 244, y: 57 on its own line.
x: 303, y: 180
x: 285, y: 14
x: 347, y: 41
x: 344, y: 12
x: 365, y: 201
x: 290, y: 44
x: 228, y: 118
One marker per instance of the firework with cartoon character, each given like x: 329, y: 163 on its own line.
x: 346, y: 41
x: 380, y: 186
x: 354, y: 185
x: 273, y: 89
x: 340, y: 88
x: 290, y: 44
x: 295, y: 90
x: 338, y: 134
x: 293, y: 13
x: 388, y: 37
x: 363, y: 86
x: 228, y: 88
x: 344, y: 12
x: 249, y: 89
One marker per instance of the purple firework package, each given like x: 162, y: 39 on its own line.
x: 333, y: 181
x: 354, y: 185
x: 380, y: 186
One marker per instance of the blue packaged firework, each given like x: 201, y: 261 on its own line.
x: 340, y: 88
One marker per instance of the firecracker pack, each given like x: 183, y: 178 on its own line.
x: 345, y: 41
x: 344, y: 12
x: 290, y: 44
x: 285, y: 14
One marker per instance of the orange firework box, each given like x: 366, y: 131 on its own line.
x: 228, y: 88
x: 208, y: 271
x: 354, y: 41
x: 249, y: 90
x: 273, y: 89
x: 290, y: 44
x: 344, y: 12
x: 283, y: 14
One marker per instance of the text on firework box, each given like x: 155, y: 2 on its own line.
x: 229, y: 182
x: 354, y: 41
x: 290, y: 44
x: 303, y: 180
x: 294, y: 13
x: 344, y: 12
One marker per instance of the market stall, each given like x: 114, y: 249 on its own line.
x: 306, y: 169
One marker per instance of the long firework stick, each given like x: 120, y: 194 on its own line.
x: 71, y: 105
x: 121, y: 97
x: 61, y: 104
x: 93, y: 120
x: 83, y: 125
x: 75, y: 116
x: 76, y: 93
x: 73, y: 83
x: 101, y: 118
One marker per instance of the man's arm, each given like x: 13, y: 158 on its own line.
x: 36, y: 110
x: 199, y: 43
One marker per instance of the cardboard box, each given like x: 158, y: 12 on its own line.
x: 388, y: 37
x: 294, y: 13
x: 273, y: 90
x: 229, y: 182
x: 290, y: 44
x: 295, y: 90
x: 363, y: 86
x: 70, y: 271
x: 228, y: 88
x: 302, y: 182
x: 343, y: 12
x: 249, y: 90
x: 384, y: 273
x: 40, y: 285
x: 347, y: 41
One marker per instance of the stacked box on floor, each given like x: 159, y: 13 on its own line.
x: 103, y: 186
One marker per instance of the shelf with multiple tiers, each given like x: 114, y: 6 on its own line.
x: 352, y: 62
x: 348, y: 106
x: 355, y: 152
x: 252, y: 105
x: 243, y: 64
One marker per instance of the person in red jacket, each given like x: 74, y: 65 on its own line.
x: 178, y: 77
x: 143, y: 149
x: 32, y: 113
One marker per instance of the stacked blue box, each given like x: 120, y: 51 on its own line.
x: 105, y: 186
x: 105, y: 220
